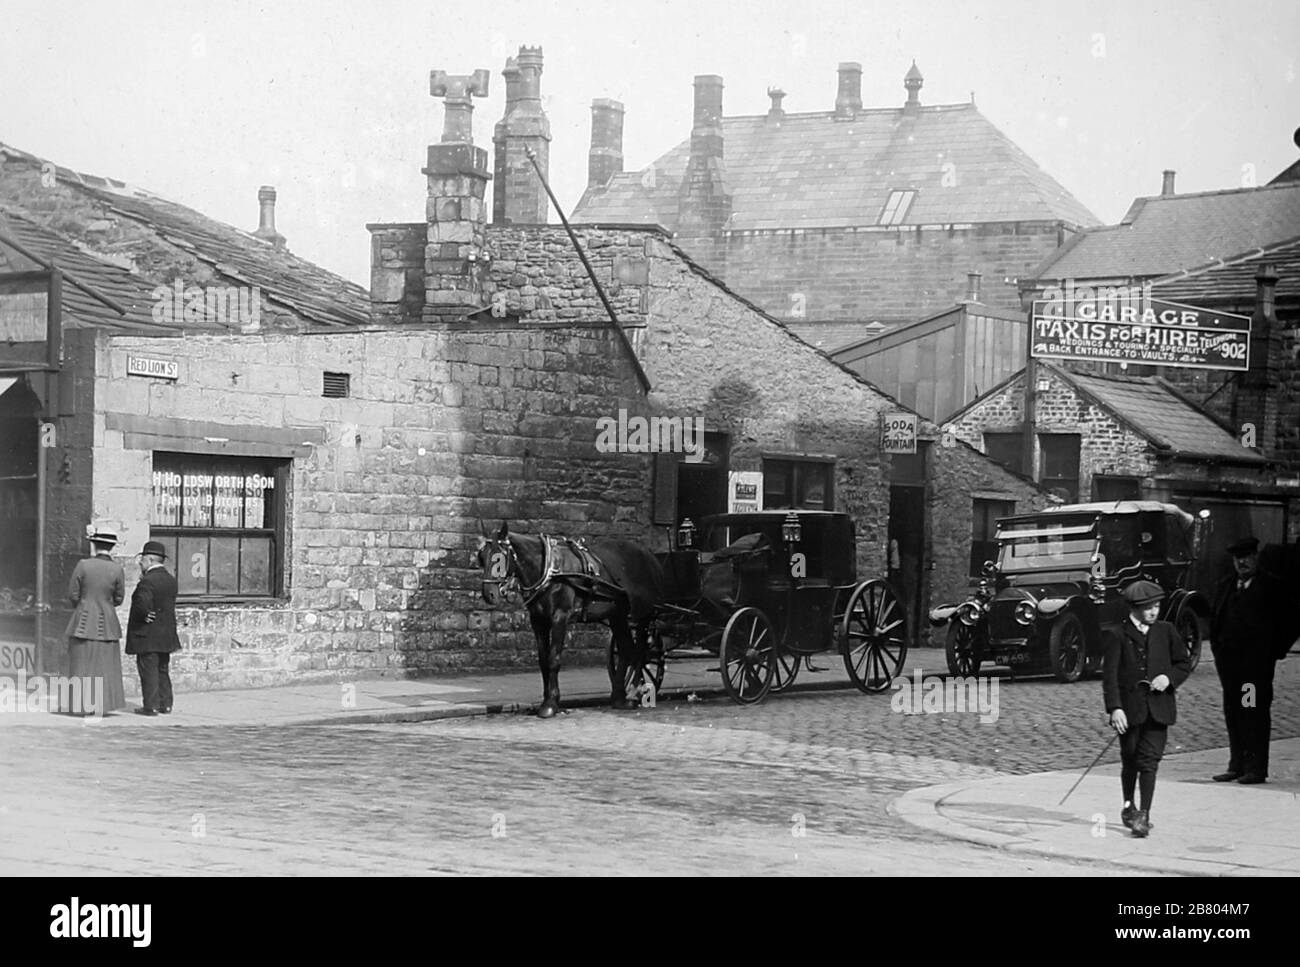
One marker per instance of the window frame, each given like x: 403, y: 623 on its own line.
x: 798, y: 464
x: 278, y: 469
x: 1049, y: 482
x: 896, y: 207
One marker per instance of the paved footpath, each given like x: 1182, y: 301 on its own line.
x: 1201, y: 827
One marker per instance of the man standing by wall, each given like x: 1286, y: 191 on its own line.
x: 1246, y: 638
x: 151, y: 629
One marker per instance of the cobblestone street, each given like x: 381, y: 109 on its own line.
x: 799, y: 784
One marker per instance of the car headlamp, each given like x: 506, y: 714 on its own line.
x: 1026, y: 612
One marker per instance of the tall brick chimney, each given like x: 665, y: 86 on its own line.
x: 1255, y: 403
x: 848, y: 99
x: 703, y: 205
x: 458, y: 175
x: 912, y: 82
x: 1167, y: 182
x: 605, y: 157
x: 519, y: 198
x: 266, y: 217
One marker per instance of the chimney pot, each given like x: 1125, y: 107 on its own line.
x: 777, y: 95
x: 913, y: 81
x: 1167, y: 184
x: 605, y: 157
x: 848, y: 99
x: 266, y: 217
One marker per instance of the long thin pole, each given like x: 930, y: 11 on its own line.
x: 38, y: 645
x: 1089, y: 769
x: 591, y: 274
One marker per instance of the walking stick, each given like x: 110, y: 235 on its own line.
x: 1089, y: 769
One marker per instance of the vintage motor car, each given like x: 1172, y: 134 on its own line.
x: 1041, y: 607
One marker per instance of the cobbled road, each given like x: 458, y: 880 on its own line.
x: 797, y: 785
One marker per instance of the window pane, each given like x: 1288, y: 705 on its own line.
x: 192, y: 565
x: 814, y: 484
x: 228, y: 501
x: 223, y: 566
x: 259, y: 499
x: 166, y: 497
x: 197, y: 510
x: 255, y: 566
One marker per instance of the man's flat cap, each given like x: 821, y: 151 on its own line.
x: 1245, y: 546
x: 1139, y: 594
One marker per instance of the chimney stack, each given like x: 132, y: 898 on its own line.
x: 519, y: 197
x: 848, y: 100
x: 1167, y: 184
x: 266, y: 219
x: 605, y: 157
x: 775, y: 112
x: 973, y: 286
x: 703, y: 206
x: 912, y: 81
x: 457, y: 173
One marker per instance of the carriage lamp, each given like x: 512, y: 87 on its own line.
x: 686, y: 534
x: 791, y: 529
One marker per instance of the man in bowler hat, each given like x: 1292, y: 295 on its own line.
x: 1247, y: 639
x: 1145, y: 662
x: 151, y: 629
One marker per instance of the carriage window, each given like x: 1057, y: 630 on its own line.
x: 798, y: 485
x: 983, y: 546
x: 219, y: 518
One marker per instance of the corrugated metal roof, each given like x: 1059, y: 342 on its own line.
x: 816, y: 170
x: 1167, y: 234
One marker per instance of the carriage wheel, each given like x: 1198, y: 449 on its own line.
x: 652, y: 666
x: 874, y: 634
x: 748, y: 654
x: 1189, y: 629
x: 787, y: 669
x: 962, y: 649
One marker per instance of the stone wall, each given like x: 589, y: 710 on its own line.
x: 442, y: 429
x: 872, y: 273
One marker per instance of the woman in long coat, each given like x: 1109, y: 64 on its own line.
x: 97, y: 587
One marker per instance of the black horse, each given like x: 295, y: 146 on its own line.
x: 613, y: 582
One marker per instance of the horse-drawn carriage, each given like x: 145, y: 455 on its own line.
x: 766, y: 590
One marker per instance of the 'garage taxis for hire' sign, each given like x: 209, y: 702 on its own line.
x: 1132, y: 327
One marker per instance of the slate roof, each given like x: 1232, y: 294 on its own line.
x: 80, y: 309
x: 1167, y: 234
x: 814, y: 170
x: 1232, y: 282
x: 831, y: 336
x: 317, y: 295
x: 1162, y: 415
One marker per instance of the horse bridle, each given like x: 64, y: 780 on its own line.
x: 503, y: 566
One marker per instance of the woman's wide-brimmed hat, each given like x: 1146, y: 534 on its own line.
x: 1139, y: 594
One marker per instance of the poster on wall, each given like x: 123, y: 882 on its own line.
x: 744, y: 491
x: 898, y: 433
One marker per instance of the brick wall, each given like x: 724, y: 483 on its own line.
x: 870, y: 273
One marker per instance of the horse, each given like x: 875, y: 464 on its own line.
x: 614, y: 582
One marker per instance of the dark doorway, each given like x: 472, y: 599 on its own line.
x: 702, y: 487
x: 1230, y: 521
x: 907, y: 549
x: 19, y: 437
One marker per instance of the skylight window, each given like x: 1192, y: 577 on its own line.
x: 896, y: 208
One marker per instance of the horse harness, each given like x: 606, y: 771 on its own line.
x: 585, y: 579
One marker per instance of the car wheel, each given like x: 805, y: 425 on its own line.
x: 1189, y: 629
x: 962, y: 650
x: 1067, y: 647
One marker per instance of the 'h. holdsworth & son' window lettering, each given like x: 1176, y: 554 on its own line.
x: 218, y: 517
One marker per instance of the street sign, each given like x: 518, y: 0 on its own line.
x: 898, y: 433
x: 1152, y: 332
x: 156, y: 368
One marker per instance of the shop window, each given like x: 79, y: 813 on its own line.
x: 221, y: 520
x: 798, y: 484
x: 1058, y: 467
x: 984, y: 525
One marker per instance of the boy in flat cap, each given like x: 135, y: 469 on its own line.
x: 1247, y: 638
x: 1146, y: 660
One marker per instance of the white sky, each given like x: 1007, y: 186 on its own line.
x: 329, y: 102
